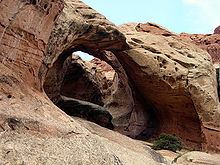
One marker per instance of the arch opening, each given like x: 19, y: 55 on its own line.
x: 85, y: 80
x: 123, y: 106
x: 96, y: 84
x: 80, y: 87
x: 84, y: 56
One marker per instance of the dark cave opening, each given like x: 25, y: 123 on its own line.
x: 152, y: 124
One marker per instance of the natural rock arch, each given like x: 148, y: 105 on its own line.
x: 176, y: 85
x: 81, y: 28
x: 33, y: 130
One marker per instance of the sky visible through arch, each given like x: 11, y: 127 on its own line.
x: 190, y: 16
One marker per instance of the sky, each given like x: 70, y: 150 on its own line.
x: 190, y: 16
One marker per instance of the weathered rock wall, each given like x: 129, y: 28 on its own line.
x: 208, y: 42
x: 218, y: 82
x: 178, y: 82
x: 25, y: 30
x: 32, y: 129
x: 36, y: 39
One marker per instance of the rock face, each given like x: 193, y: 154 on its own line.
x: 86, y: 110
x: 106, y: 76
x: 83, y: 81
x: 26, y: 27
x: 120, y: 103
x: 196, y: 158
x: 217, y: 30
x: 177, y: 82
x: 32, y: 129
x: 218, y: 81
x: 167, y: 85
x: 208, y: 42
x: 153, y: 28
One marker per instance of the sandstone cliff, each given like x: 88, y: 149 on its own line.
x: 162, y: 85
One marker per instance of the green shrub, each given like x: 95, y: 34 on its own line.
x: 167, y: 142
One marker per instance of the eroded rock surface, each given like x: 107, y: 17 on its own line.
x: 153, y: 28
x: 83, y: 81
x: 208, y: 42
x: 217, y: 30
x: 197, y: 158
x: 106, y: 75
x: 86, y: 110
x: 32, y: 129
x: 136, y: 148
x: 156, y: 74
x: 218, y: 81
x: 177, y: 81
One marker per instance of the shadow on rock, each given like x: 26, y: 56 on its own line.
x: 86, y: 110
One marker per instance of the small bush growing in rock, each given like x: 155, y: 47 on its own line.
x: 167, y: 142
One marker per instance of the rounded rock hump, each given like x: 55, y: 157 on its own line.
x: 217, y: 30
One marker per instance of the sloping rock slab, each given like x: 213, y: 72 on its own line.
x: 86, y: 110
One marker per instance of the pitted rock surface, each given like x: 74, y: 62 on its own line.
x: 159, y: 74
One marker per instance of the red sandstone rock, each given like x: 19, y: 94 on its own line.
x: 105, y: 75
x: 32, y: 129
x: 209, y: 42
x: 175, y: 79
x: 83, y: 81
x: 217, y: 30
x: 153, y: 29
x: 102, y: 64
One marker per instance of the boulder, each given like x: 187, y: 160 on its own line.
x: 86, y: 110
x: 197, y: 158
